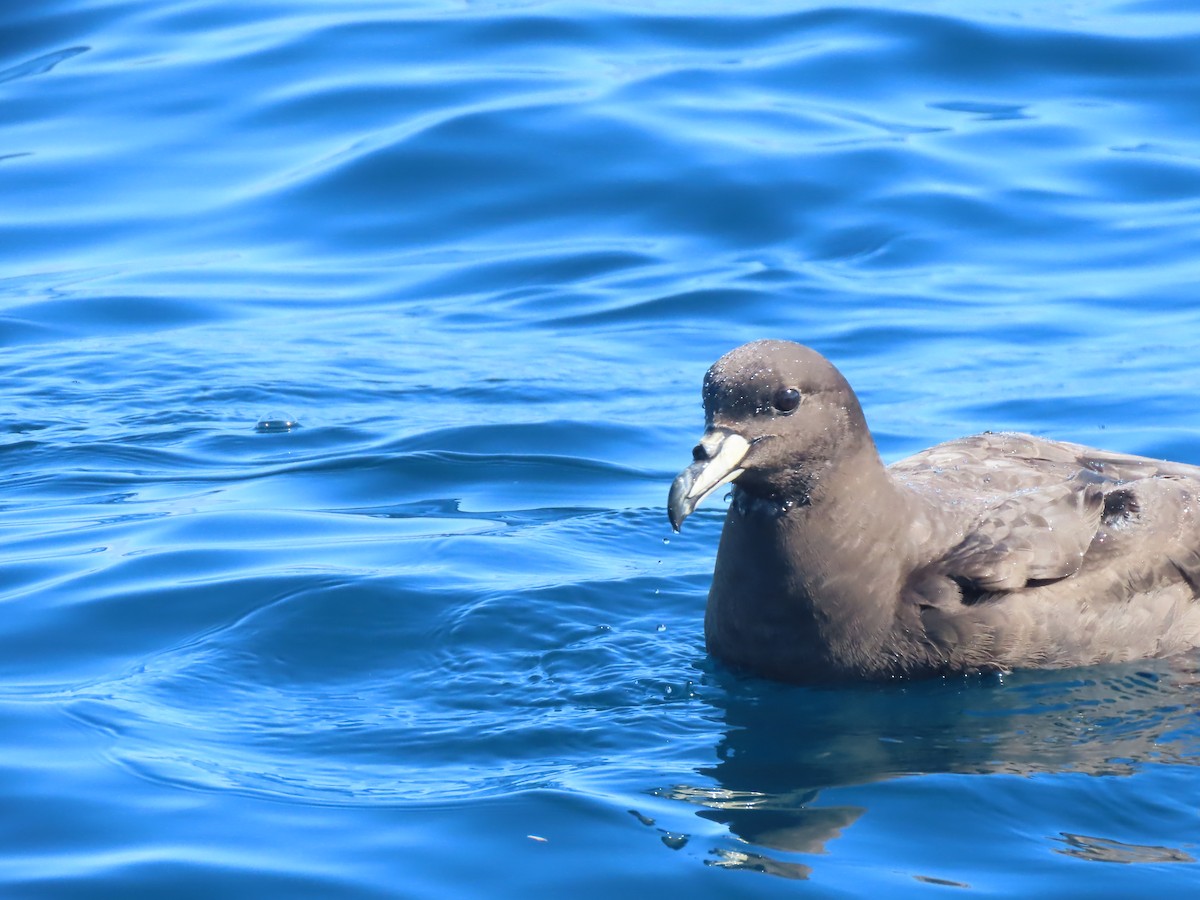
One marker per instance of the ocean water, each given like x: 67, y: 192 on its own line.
x: 348, y: 350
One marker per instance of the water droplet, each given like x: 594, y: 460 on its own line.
x: 275, y: 422
x: 666, y: 540
x: 661, y: 627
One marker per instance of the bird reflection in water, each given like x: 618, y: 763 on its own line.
x: 782, y: 747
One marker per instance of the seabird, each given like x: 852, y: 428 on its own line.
x: 984, y: 554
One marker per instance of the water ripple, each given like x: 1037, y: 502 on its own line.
x: 483, y: 254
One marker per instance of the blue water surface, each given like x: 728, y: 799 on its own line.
x: 349, y: 349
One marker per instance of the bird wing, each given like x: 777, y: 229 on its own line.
x: 1038, y: 535
x: 1041, y: 527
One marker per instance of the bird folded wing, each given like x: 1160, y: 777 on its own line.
x: 1038, y: 535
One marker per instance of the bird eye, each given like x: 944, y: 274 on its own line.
x: 787, y: 399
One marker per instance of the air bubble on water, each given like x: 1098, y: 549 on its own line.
x: 276, y: 422
x: 666, y: 540
x: 661, y: 627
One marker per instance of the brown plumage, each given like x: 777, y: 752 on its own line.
x: 987, y: 553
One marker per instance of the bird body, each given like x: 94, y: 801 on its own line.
x: 987, y: 553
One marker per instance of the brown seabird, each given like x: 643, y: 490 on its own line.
x: 988, y: 553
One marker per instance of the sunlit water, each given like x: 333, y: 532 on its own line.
x: 349, y: 351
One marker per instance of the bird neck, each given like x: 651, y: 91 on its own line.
x: 813, y: 585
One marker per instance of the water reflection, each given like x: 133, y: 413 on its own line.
x: 783, y: 746
x: 1100, y: 849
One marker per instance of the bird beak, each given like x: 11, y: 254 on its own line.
x: 717, y: 457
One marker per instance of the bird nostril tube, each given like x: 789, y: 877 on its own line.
x: 699, y: 454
